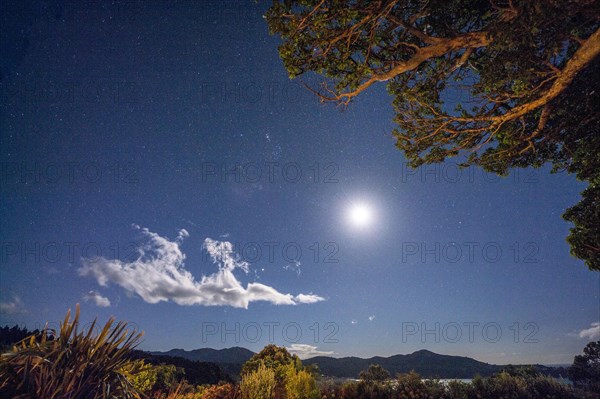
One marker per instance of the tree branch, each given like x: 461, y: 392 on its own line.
x: 582, y: 57
x: 469, y: 40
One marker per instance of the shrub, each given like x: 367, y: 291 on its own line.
x: 73, y: 365
x: 360, y: 390
x: 149, y: 378
x: 548, y: 388
x: 258, y: 384
x: 275, y: 358
x: 460, y: 390
x: 501, y: 385
x: 375, y: 373
x: 141, y: 375
x: 221, y: 391
x: 411, y: 386
x: 300, y: 384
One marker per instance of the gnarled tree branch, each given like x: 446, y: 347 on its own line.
x: 440, y: 48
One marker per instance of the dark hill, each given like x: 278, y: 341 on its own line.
x: 229, y: 355
x: 197, y: 373
x: 426, y: 363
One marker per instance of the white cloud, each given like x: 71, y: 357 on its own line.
x: 310, y: 298
x: 183, y: 233
x: 16, y: 306
x: 98, y: 299
x: 159, y: 274
x: 294, y: 267
x: 307, y: 351
x: 372, y: 317
x: 591, y: 333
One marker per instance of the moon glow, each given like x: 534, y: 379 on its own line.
x: 360, y: 215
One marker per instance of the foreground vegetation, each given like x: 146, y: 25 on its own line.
x: 71, y: 363
x: 68, y: 363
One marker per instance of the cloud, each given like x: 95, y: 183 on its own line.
x: 183, y: 233
x: 98, y: 299
x: 159, y: 274
x: 310, y: 298
x: 307, y: 351
x: 372, y: 317
x: 591, y: 333
x: 294, y: 267
x: 14, y: 307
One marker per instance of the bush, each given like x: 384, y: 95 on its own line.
x: 411, y: 386
x: 460, y: 390
x: 142, y: 376
x: 548, y: 388
x: 259, y: 384
x: 300, y: 384
x: 360, y: 390
x: 155, y: 379
x: 274, y: 358
x: 221, y: 391
x: 375, y: 373
x: 73, y: 365
x: 501, y: 385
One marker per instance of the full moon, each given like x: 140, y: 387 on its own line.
x: 360, y: 215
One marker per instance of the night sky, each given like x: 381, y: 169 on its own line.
x: 158, y: 165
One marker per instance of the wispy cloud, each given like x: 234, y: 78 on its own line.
x: 295, y: 266
x: 307, y: 351
x: 372, y: 317
x: 15, y: 306
x: 98, y: 299
x: 591, y: 333
x: 159, y: 274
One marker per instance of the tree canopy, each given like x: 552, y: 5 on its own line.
x: 528, y: 71
x: 585, y: 371
x: 276, y: 359
x: 375, y: 373
x: 273, y: 357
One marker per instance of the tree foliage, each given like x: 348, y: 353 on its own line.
x: 411, y: 385
x: 221, y: 391
x: 274, y: 358
x: 292, y: 380
x: 149, y: 378
x: 258, y: 384
x: 375, y: 373
x: 501, y: 385
x: 501, y: 83
x: 300, y: 384
x: 196, y: 373
x: 585, y: 371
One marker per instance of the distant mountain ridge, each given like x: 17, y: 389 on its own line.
x: 235, y: 354
x: 428, y: 364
